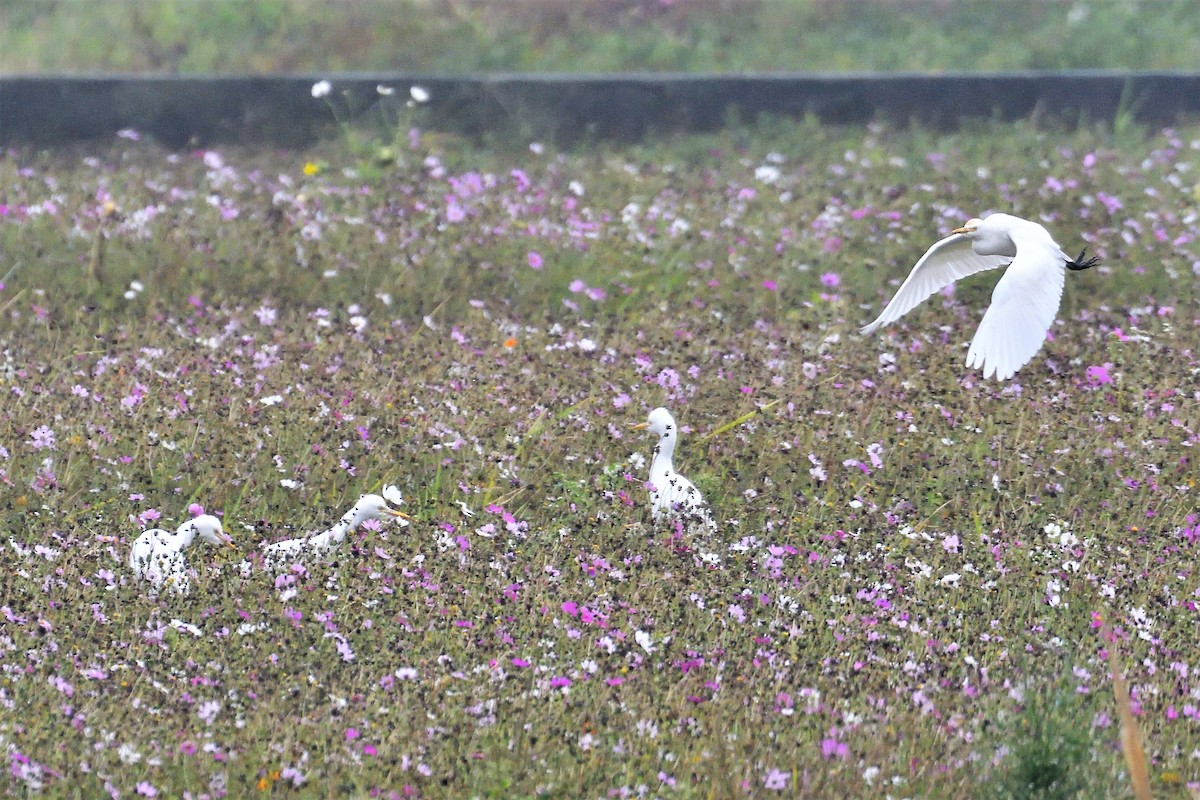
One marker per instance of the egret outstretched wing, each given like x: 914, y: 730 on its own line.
x: 1024, y: 305
x: 945, y: 262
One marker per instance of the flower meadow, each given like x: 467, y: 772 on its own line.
x: 920, y: 570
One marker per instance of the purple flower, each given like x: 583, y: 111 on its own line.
x: 776, y: 780
x: 831, y: 279
x: 42, y: 438
x: 266, y: 315
x: 207, y: 712
x: 1098, y: 375
x: 875, y: 453
x: 832, y: 748
x: 535, y: 259
x: 1112, y: 204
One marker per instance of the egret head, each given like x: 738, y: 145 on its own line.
x: 969, y: 227
x: 660, y: 423
x: 372, y: 506
x: 392, y: 494
x: 208, y: 529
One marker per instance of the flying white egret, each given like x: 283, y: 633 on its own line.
x: 673, y: 496
x: 1024, y: 302
x: 157, y: 555
x: 369, y: 506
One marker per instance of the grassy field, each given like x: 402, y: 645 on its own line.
x: 916, y: 563
x: 595, y: 35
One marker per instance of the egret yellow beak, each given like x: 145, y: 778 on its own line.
x: 399, y: 514
x: 640, y: 426
x: 964, y: 229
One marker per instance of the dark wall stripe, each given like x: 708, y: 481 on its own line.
x: 280, y: 110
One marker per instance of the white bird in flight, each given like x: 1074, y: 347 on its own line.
x: 1024, y: 302
x: 673, y: 496
x: 369, y: 506
x: 157, y: 555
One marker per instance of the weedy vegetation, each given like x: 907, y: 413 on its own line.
x: 916, y: 564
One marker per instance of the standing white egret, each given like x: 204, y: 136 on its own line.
x: 673, y: 496
x: 157, y: 555
x: 369, y: 506
x: 1024, y: 302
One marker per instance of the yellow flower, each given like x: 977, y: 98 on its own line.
x: 263, y: 784
x: 311, y: 168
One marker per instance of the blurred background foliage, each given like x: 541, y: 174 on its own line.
x: 267, y: 36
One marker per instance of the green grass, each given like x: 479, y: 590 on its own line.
x: 192, y: 36
x: 835, y: 643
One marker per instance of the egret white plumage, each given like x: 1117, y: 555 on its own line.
x: 673, y: 496
x: 1024, y: 302
x: 369, y: 506
x: 157, y: 555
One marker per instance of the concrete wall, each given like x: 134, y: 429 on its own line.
x: 280, y: 110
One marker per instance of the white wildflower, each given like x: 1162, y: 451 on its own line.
x: 767, y: 174
x: 187, y: 627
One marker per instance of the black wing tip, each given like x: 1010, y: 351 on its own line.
x: 1080, y: 264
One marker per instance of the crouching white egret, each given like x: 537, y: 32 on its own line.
x: 369, y: 506
x: 1024, y: 302
x: 157, y: 555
